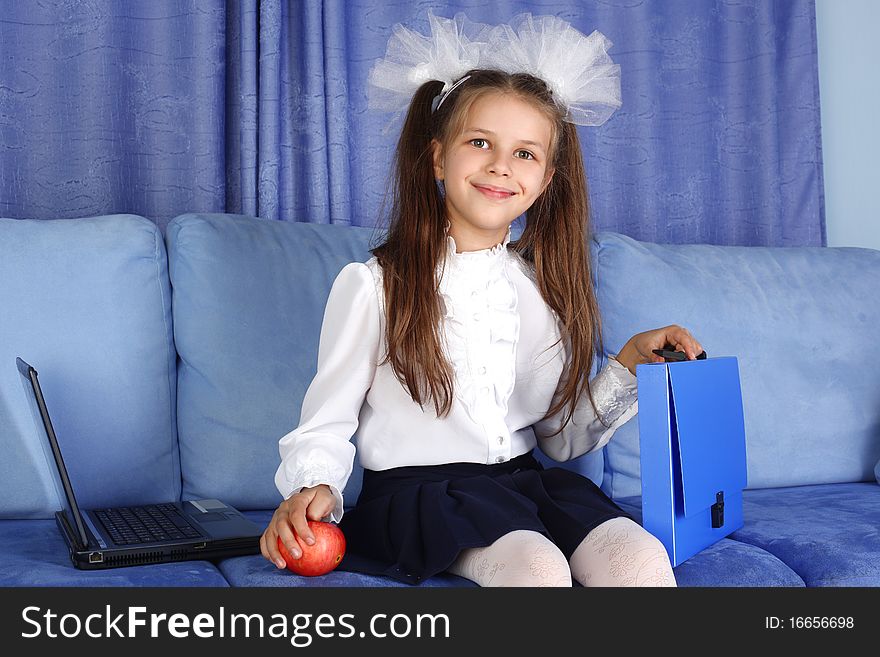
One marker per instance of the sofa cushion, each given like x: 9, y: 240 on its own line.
x: 256, y: 571
x: 33, y: 553
x: 727, y: 562
x: 87, y: 302
x: 827, y: 534
x: 800, y: 322
x: 249, y: 297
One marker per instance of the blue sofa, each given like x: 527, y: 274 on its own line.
x: 173, y: 363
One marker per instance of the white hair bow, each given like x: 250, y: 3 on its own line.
x: 577, y: 68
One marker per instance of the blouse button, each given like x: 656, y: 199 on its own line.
x: 482, y: 370
x: 500, y: 440
x: 499, y: 459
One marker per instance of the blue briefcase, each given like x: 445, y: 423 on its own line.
x: 692, y: 451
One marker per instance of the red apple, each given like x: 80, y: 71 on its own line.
x: 320, y: 558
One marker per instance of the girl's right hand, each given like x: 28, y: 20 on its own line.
x: 291, y: 518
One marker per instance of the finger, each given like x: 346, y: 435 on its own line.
x: 304, y: 531
x: 674, y: 333
x: 693, y: 348
x: 288, y: 538
x: 269, y: 541
x: 681, y: 347
x: 682, y: 340
x: 301, y: 528
x: 688, y: 344
x: 320, y: 509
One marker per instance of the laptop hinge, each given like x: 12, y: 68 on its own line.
x: 68, y: 530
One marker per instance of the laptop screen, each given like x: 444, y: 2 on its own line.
x: 52, y: 450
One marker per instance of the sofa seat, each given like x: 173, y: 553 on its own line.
x: 727, y: 562
x: 829, y: 534
x: 33, y: 553
x: 825, y: 534
x: 256, y: 571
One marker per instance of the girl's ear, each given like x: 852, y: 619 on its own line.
x: 437, y: 150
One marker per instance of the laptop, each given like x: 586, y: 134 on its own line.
x: 137, y: 535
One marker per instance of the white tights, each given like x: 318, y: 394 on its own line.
x: 619, y: 552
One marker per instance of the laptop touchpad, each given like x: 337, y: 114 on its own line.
x: 209, y: 517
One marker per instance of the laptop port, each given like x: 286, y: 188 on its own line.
x: 96, y: 557
x: 199, y: 546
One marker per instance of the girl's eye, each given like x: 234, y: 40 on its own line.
x: 525, y: 155
x: 480, y: 143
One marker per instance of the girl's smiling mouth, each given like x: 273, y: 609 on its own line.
x: 494, y: 192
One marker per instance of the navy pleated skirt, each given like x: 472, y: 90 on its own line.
x: 410, y: 523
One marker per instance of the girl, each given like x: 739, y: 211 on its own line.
x: 454, y: 351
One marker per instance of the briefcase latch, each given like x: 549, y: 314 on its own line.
x: 718, y: 510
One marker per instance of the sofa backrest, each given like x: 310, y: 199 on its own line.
x: 88, y: 304
x: 249, y: 297
x: 802, y: 322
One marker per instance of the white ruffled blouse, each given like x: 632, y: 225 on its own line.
x: 499, y: 336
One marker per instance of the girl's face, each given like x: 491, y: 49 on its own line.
x: 494, y: 169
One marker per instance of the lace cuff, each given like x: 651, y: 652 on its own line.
x: 614, y: 390
x: 615, y: 393
x: 312, y: 474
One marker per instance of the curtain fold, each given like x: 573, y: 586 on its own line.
x: 259, y: 107
x: 111, y: 107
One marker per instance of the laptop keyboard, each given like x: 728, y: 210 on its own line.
x: 145, y: 524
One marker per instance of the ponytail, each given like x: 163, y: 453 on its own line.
x: 409, y: 258
x: 555, y: 241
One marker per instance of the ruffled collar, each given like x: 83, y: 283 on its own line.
x: 491, y: 252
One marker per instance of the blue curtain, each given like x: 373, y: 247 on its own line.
x: 111, y: 107
x: 259, y: 106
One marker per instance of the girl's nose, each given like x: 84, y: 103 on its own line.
x: 499, y: 165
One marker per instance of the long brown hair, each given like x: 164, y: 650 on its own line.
x: 553, y: 242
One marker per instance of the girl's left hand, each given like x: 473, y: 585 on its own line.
x: 639, y: 348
